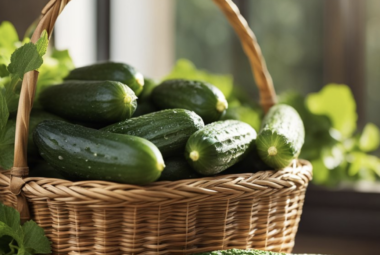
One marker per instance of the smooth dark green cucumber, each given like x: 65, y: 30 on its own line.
x: 95, y: 155
x: 281, y: 136
x: 169, y: 129
x: 111, y: 71
x: 203, y: 98
x: 90, y: 101
x: 43, y: 169
x: 36, y: 117
x: 176, y: 169
x: 219, y: 145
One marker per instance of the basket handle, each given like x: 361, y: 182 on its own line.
x: 47, y: 20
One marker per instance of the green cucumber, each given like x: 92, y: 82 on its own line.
x: 203, y: 98
x: 110, y: 71
x: 90, y: 101
x: 247, y: 114
x: 146, y: 93
x: 176, y: 169
x: 144, y: 108
x: 167, y: 129
x: 281, y: 136
x: 252, y: 163
x: 219, y: 145
x: 36, y: 117
x: 43, y: 169
x: 95, y: 155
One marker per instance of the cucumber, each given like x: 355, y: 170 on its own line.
x: 281, y: 136
x: 252, y: 163
x: 146, y: 93
x: 111, y: 71
x: 36, y: 117
x: 144, y: 108
x: 247, y: 114
x: 176, y: 169
x: 203, y: 98
x: 95, y: 155
x: 43, y: 169
x: 167, y: 129
x: 219, y: 145
x: 90, y: 101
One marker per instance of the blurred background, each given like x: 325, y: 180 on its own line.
x: 306, y: 44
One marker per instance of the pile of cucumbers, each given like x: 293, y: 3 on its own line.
x: 106, y: 122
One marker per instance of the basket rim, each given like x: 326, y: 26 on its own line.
x: 97, y: 193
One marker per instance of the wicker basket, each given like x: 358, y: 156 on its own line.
x: 260, y: 210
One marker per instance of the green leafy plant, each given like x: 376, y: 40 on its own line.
x: 185, y: 69
x: 16, y: 239
x: 336, y: 149
x: 16, y: 59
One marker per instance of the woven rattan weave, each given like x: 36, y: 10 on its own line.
x: 260, y: 210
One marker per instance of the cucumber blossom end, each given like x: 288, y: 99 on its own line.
x: 272, y: 151
x: 140, y: 79
x: 194, y: 155
x: 221, y: 105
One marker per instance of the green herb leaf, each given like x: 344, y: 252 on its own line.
x: 10, y: 217
x: 24, y: 59
x: 185, y: 69
x: 7, y: 138
x: 8, y: 36
x: 370, y: 138
x: 35, y: 238
x: 27, y: 239
x: 3, y: 71
x: 9, y: 232
x: 4, y: 113
x: 42, y: 43
x: 336, y: 102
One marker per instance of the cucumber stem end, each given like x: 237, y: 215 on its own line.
x: 221, y: 105
x: 160, y: 166
x: 140, y: 79
x: 272, y: 151
x: 194, y: 155
x: 127, y: 99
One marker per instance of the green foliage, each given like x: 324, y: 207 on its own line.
x: 337, y: 151
x: 247, y: 114
x: 184, y: 69
x: 20, y: 240
x: 17, y: 58
x: 336, y: 102
x: 370, y: 138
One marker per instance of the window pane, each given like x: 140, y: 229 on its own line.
x: 373, y: 61
x: 289, y: 33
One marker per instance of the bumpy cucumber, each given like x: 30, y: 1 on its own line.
x: 36, y: 117
x: 167, y: 129
x: 121, y: 72
x: 90, y: 101
x: 95, y: 155
x: 203, y: 98
x: 252, y: 163
x: 176, y: 169
x: 281, y: 136
x: 219, y: 145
